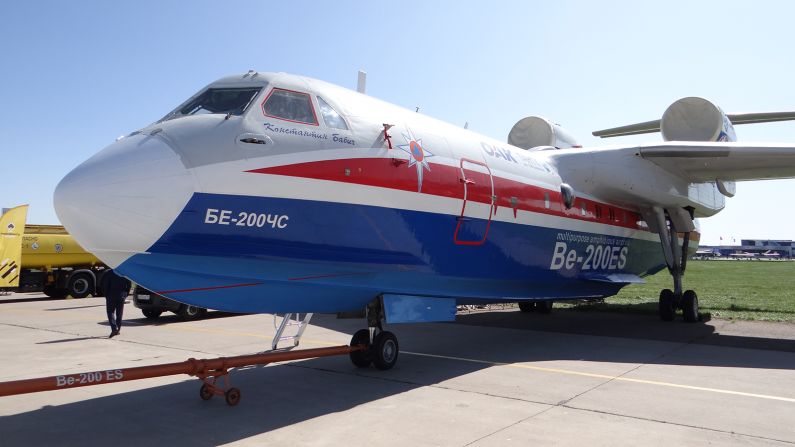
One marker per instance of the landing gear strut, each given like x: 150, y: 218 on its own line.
x: 382, y: 346
x: 676, y: 260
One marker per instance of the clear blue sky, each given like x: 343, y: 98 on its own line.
x: 76, y: 75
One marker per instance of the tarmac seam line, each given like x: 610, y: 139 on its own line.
x: 441, y: 387
x: 409, y: 382
x: 550, y: 406
x: 77, y: 334
x: 609, y: 377
x: 679, y: 424
x: 509, y: 426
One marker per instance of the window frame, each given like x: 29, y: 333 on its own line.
x: 176, y: 112
x: 311, y: 104
x: 319, y: 98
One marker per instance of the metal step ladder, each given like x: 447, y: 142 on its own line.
x: 290, y: 320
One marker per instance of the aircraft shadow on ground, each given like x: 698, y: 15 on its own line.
x: 632, y: 326
x: 272, y: 398
x: 282, y: 395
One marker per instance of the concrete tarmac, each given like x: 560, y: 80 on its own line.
x: 491, y: 379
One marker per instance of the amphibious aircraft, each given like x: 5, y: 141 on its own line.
x: 270, y: 192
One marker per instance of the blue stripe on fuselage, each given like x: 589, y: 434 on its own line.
x: 330, y: 256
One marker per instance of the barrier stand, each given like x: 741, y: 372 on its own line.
x: 207, y: 370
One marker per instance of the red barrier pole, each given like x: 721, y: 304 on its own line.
x: 200, y: 368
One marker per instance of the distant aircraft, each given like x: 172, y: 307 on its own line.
x: 269, y: 192
x: 707, y: 253
x: 743, y: 255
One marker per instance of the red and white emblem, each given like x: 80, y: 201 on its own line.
x: 418, y: 156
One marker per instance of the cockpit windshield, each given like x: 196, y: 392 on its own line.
x: 232, y: 100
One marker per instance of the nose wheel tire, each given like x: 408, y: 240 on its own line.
x: 690, y: 306
x: 361, y: 358
x: 667, y: 305
x: 384, y: 351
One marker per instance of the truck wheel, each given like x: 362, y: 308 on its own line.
x: 80, y: 285
x: 54, y: 292
x: 187, y: 312
x: 151, y: 313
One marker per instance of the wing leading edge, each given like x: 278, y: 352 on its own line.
x: 654, y: 125
x: 704, y: 162
x: 673, y: 174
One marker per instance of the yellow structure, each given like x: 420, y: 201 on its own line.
x: 12, y: 226
x: 46, y: 248
x: 50, y: 246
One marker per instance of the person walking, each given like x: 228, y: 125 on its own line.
x: 116, y: 289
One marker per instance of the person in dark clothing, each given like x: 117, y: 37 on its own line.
x: 116, y: 289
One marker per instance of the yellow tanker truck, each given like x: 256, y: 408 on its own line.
x: 45, y: 257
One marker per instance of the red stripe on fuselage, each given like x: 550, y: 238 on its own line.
x: 446, y: 181
x: 197, y: 289
x: 331, y: 275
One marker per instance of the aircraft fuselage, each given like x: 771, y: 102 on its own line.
x: 276, y: 207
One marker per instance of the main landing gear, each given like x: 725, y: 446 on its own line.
x: 676, y: 260
x: 382, y: 346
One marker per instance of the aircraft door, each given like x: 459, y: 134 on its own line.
x: 472, y: 226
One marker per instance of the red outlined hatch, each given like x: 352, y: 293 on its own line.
x: 472, y: 226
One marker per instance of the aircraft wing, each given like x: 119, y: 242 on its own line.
x: 704, y: 162
x: 694, y: 162
x: 672, y: 174
x: 654, y: 125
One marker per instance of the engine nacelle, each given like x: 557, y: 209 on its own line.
x: 696, y: 119
x: 535, y: 131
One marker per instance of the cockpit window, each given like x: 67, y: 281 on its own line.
x: 290, y: 106
x: 233, y: 101
x: 330, y: 116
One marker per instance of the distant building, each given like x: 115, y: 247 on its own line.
x: 752, y: 248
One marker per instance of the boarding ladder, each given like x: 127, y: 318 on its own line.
x: 290, y: 320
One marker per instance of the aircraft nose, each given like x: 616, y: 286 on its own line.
x: 118, y: 202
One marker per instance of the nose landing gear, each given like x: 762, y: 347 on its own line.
x: 382, y: 346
